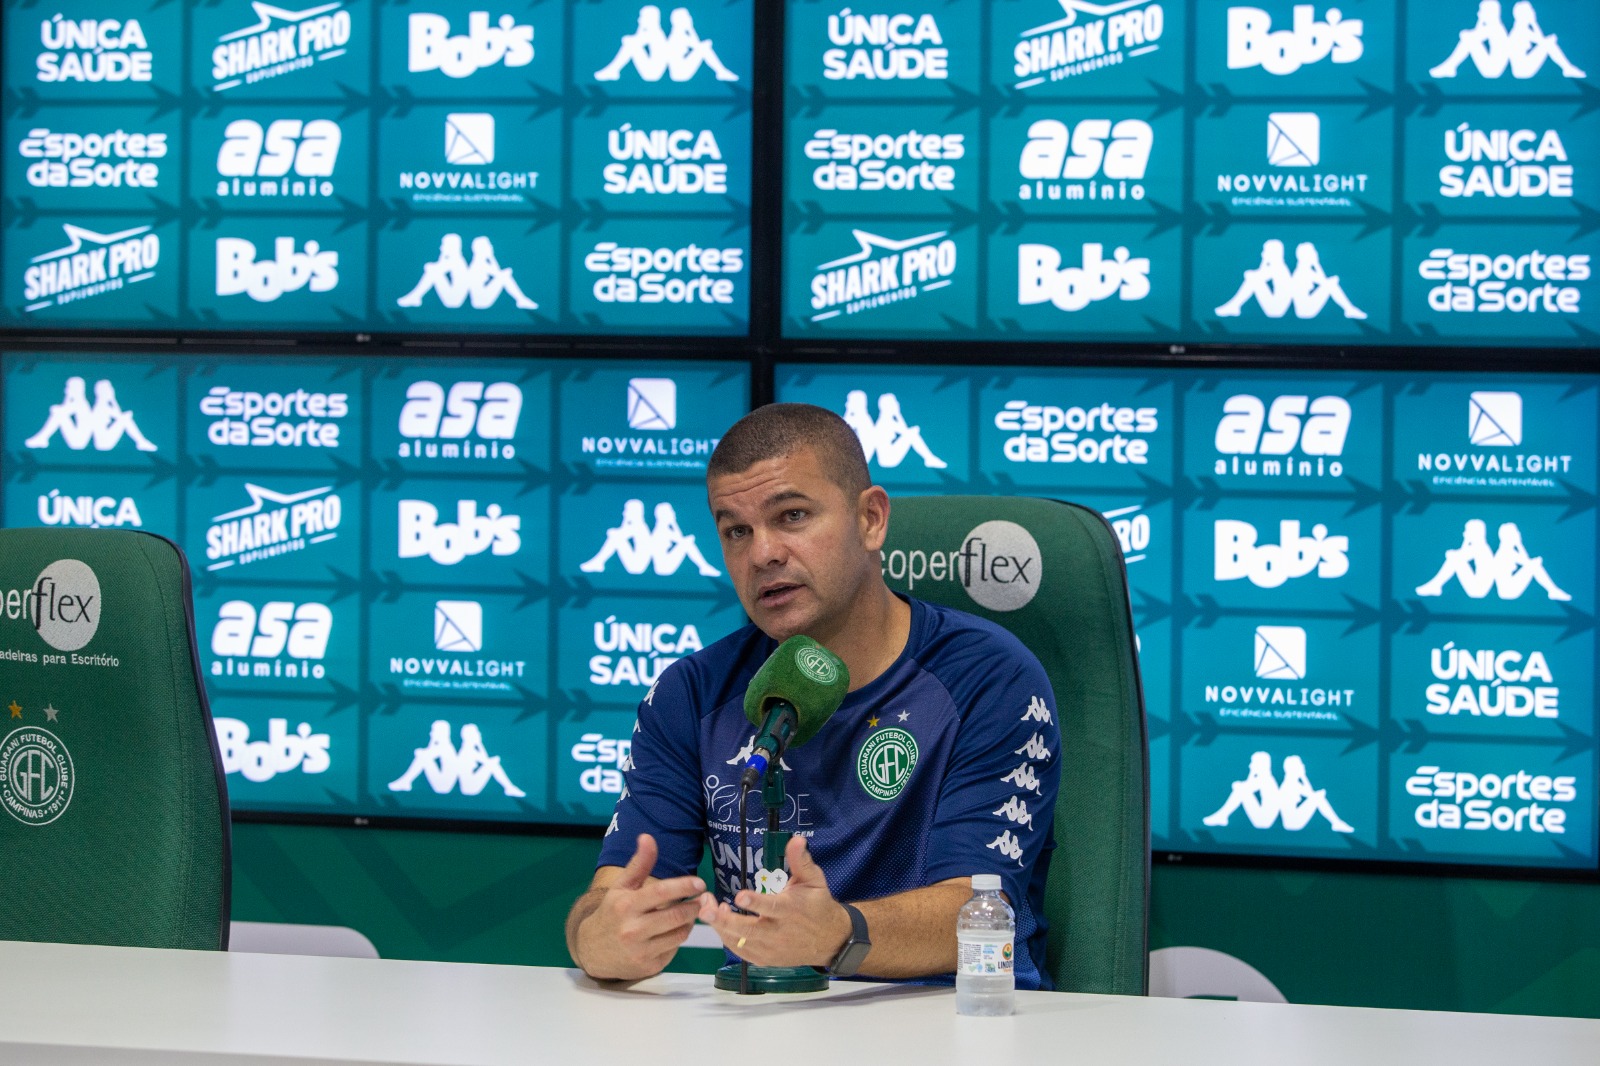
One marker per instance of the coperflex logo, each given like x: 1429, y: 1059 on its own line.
x: 63, y: 604
x: 999, y: 564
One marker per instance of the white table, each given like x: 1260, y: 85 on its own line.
x: 64, y: 1006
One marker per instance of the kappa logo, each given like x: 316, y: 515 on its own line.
x: 1266, y: 801
x: 249, y: 643
x: 1523, y: 50
x: 1510, y: 683
x: 1096, y: 160
x: 1092, y: 36
x: 1504, y: 163
x: 239, y: 272
x: 655, y: 646
x: 90, y: 264
x: 1015, y: 810
x: 1035, y: 748
x: 888, y: 439
x: 654, y: 53
x: 283, y: 752
x: 92, y: 50
x: 435, y: 424
x: 92, y: 160
x: 286, y: 158
x: 886, y: 761
x: 652, y: 403
x: 1268, y: 566
x: 1093, y: 433
x: 90, y: 512
x: 273, y: 524
x: 447, y: 769
x: 103, y: 425
x: 1038, y: 711
x: 1042, y: 278
x: 1024, y: 777
x: 1508, y: 570
x: 1132, y: 527
x: 281, y: 42
x: 431, y: 46
x: 1252, y: 42
x: 36, y: 776
x: 1317, y: 427
x: 453, y: 280
x: 885, y: 47
x: 448, y: 543
x: 605, y: 759
x: 458, y: 626
x: 1274, y: 288
x: 882, y: 272
x: 1494, y: 419
x: 664, y: 162
x: 63, y: 606
x: 862, y: 162
x: 1008, y: 845
x: 1480, y: 282
x: 1280, y: 653
x: 638, y: 547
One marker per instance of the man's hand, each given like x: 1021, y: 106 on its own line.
x: 629, y: 925
x: 801, y: 926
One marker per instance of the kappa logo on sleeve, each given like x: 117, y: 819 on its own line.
x: 1522, y: 50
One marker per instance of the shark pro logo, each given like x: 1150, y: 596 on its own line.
x: 280, y: 42
x: 883, y: 272
x: 89, y: 264
x: 63, y: 604
x: 273, y: 524
x: 1092, y: 36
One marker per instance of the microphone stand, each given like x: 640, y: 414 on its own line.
x: 741, y: 977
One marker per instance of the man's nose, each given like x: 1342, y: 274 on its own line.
x: 767, y: 549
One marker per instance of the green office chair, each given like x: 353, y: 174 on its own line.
x: 1052, y: 573
x: 113, y: 804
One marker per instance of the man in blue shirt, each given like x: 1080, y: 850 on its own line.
x: 942, y: 762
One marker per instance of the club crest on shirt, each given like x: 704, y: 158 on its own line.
x: 886, y: 761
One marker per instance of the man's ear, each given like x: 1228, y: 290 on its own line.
x: 872, y: 517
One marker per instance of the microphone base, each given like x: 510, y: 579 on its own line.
x: 773, y: 979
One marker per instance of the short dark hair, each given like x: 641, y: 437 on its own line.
x: 778, y: 430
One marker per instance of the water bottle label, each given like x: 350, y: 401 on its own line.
x: 976, y: 959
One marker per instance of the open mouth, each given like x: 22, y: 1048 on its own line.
x: 777, y: 595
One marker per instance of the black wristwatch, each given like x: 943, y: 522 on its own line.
x: 854, y: 952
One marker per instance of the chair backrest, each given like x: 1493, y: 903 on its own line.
x: 1052, y: 573
x: 115, y: 809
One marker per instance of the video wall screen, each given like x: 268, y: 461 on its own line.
x: 1396, y: 172
x: 1365, y: 602
x: 421, y: 589
x: 529, y: 167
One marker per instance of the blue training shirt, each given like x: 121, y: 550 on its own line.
x: 945, y: 766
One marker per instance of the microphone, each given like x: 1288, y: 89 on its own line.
x: 792, y: 696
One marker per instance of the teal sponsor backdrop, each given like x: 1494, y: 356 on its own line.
x: 451, y: 156
x: 348, y: 526
x: 1316, y: 649
x: 1283, y: 166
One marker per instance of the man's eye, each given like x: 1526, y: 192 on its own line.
x: 734, y: 532
x: 794, y: 515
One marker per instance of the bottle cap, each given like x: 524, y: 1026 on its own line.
x: 985, y: 882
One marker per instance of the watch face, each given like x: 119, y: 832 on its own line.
x: 850, y: 958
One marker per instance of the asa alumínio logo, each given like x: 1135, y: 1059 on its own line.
x: 1294, y: 436
x: 1275, y: 288
x: 1096, y: 160
x: 653, y: 53
x: 1252, y: 42
x: 280, y: 42
x: 103, y: 424
x: 279, y: 641
x: 817, y: 664
x: 289, y: 157
x: 888, y: 439
x: 1289, y: 804
x: 1494, y: 50
x: 90, y: 264
x: 63, y: 605
x: 886, y: 761
x: 37, y: 777
x: 1092, y: 36
x: 470, y: 420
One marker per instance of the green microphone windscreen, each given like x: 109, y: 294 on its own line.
x: 802, y: 673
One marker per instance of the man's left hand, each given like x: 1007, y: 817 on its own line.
x: 801, y: 926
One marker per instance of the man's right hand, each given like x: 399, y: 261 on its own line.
x: 639, y: 922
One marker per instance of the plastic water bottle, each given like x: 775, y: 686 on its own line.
x: 985, y: 937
